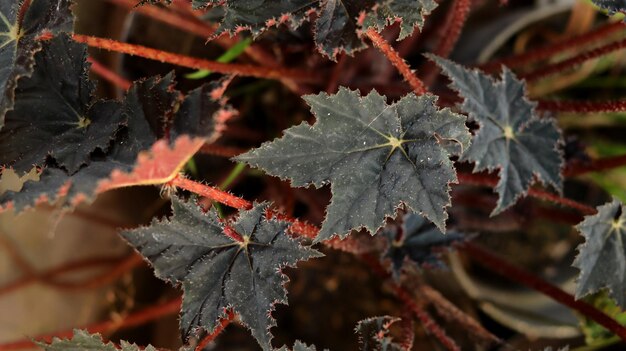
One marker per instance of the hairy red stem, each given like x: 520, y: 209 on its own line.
x: 221, y: 150
x: 223, y: 323
x: 601, y: 164
x: 553, y: 49
x: 108, y: 75
x: 582, y: 106
x: 429, y: 324
x: 492, y: 181
x: 574, y: 61
x: 190, y: 25
x: 132, y: 320
x: 278, y: 73
x: 211, y: 193
x: 427, y: 321
x: 49, y: 277
x: 416, y: 84
x: 509, y: 271
x: 22, y: 12
x: 459, y: 12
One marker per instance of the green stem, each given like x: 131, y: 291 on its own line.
x: 234, y: 173
x: 226, y: 57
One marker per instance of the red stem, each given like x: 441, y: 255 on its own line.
x: 601, y: 164
x: 132, y: 320
x: 22, y: 12
x: 429, y: 324
x: 277, y: 73
x: 224, y: 322
x: 109, y: 75
x: 582, y: 106
x: 553, y: 49
x: 102, y: 279
x: 221, y: 150
x: 416, y: 84
x: 575, y: 60
x: 211, y: 193
x: 492, y: 181
x: 190, y: 25
x: 509, y: 271
x: 449, y: 35
x: 459, y: 12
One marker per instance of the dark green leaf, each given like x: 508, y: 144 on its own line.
x: 415, y: 239
x: 338, y: 24
x: 410, y: 13
x: 149, y: 107
x: 511, y: 137
x: 18, y: 45
x: 375, y: 155
x: 602, y: 258
x: 374, y: 334
x: 218, y: 272
x: 54, y: 113
x: 83, y: 341
x: 299, y: 346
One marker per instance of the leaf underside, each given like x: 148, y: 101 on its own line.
x: 375, y: 156
x: 418, y: 238
x: 338, y: 22
x: 218, y: 272
x: 83, y: 341
x: 18, y: 45
x: 602, y: 258
x: 511, y: 137
x: 150, y: 107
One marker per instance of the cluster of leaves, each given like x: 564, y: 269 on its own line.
x: 370, y: 151
x: 373, y: 334
x: 338, y: 23
x: 88, y: 146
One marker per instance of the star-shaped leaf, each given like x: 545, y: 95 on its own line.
x: 511, y: 137
x: 374, y: 334
x: 338, y: 23
x: 602, y: 258
x: 18, y: 43
x: 415, y: 240
x: 241, y: 270
x: 54, y: 113
x: 374, y: 154
x: 83, y: 341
